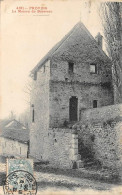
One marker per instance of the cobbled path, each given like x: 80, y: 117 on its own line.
x: 53, y: 184
x: 49, y: 181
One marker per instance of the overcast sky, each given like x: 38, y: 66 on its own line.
x: 27, y: 37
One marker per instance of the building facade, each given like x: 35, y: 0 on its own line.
x: 14, y: 139
x: 75, y: 75
x: 13, y: 148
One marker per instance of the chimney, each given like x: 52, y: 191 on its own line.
x: 99, y: 38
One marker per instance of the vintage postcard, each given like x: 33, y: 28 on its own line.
x: 61, y: 97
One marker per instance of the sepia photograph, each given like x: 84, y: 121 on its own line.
x: 61, y: 97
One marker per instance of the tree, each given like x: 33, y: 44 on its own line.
x: 12, y: 115
x: 27, y: 90
x: 111, y: 18
x: 24, y: 118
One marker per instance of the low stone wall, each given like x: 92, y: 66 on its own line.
x: 104, y: 113
x: 101, y: 131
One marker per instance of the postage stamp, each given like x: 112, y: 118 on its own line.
x: 19, y: 164
x: 20, y: 179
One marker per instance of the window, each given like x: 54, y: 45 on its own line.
x: 92, y: 138
x: 44, y: 68
x: 93, y: 68
x: 33, y: 113
x: 71, y: 67
x: 55, y: 140
x: 94, y: 103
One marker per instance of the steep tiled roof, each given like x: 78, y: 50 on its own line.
x: 21, y: 135
x: 11, y: 124
x: 53, y: 50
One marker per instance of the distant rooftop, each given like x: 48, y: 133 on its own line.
x: 13, y: 129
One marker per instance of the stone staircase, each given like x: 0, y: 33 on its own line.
x: 88, y: 163
x: 86, y: 160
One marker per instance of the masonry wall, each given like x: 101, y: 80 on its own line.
x: 104, y: 113
x: 55, y: 85
x: 40, y: 101
x: 63, y: 147
x: 14, y: 148
x: 81, y: 49
x: 61, y: 92
x: 102, y: 135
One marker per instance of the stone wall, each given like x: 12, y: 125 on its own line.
x: 81, y: 49
x: 53, y: 88
x: 61, y: 92
x: 63, y: 147
x: 60, y: 148
x: 103, y: 136
x: 14, y: 148
x: 104, y: 113
x: 40, y: 101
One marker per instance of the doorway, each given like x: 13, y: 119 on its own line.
x: 73, y: 108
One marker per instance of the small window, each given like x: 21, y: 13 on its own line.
x: 33, y: 113
x: 92, y: 138
x: 71, y: 67
x: 94, y: 103
x: 55, y: 142
x: 44, y: 68
x: 93, y: 68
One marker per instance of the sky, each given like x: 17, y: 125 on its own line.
x: 27, y: 37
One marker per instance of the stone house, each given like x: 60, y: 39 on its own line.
x: 14, y: 139
x: 75, y: 75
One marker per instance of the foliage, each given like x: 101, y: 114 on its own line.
x: 110, y: 13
